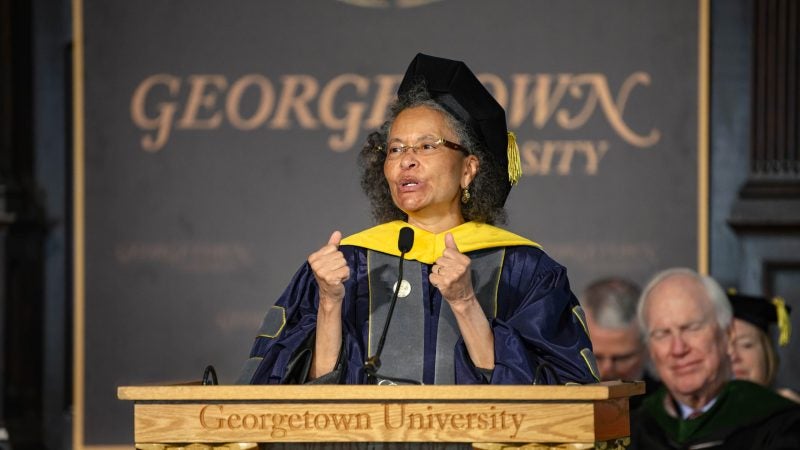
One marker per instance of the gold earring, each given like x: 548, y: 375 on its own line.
x: 465, y: 195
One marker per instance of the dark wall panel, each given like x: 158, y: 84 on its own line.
x: 221, y: 142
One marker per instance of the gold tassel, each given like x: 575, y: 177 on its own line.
x: 784, y: 325
x: 514, y: 164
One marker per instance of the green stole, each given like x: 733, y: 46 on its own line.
x: 740, y: 403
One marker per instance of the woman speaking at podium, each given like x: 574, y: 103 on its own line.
x: 435, y: 294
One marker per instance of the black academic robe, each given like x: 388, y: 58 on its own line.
x: 538, y: 325
x: 745, y: 416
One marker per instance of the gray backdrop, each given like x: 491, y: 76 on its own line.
x: 221, y: 140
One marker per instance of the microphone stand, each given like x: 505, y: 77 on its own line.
x: 373, y: 363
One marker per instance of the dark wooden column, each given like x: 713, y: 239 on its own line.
x: 22, y: 250
x: 766, y: 214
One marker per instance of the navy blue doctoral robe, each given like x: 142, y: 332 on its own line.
x: 536, y: 321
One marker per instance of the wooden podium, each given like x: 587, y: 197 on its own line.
x: 488, y: 417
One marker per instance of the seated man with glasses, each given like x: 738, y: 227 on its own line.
x: 475, y: 303
x: 610, y: 306
x: 686, y: 319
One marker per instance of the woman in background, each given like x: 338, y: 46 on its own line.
x: 753, y: 353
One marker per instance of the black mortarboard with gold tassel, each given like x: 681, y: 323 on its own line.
x: 761, y: 312
x: 458, y: 90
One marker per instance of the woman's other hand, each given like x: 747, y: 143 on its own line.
x: 451, y: 274
x: 330, y: 269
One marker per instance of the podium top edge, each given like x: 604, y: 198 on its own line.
x: 343, y: 393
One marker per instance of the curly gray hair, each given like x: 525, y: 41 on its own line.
x: 487, y: 195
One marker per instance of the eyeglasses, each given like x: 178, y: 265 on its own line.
x: 618, y: 360
x: 425, y: 147
x: 690, y: 330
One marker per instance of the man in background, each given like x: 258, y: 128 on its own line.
x: 686, y: 321
x: 610, y: 306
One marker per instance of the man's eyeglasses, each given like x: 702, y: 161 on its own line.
x: 425, y: 147
x: 618, y: 360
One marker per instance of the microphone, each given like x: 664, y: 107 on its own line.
x: 404, y: 243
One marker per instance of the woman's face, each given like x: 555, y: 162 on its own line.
x: 426, y: 185
x: 747, y: 353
